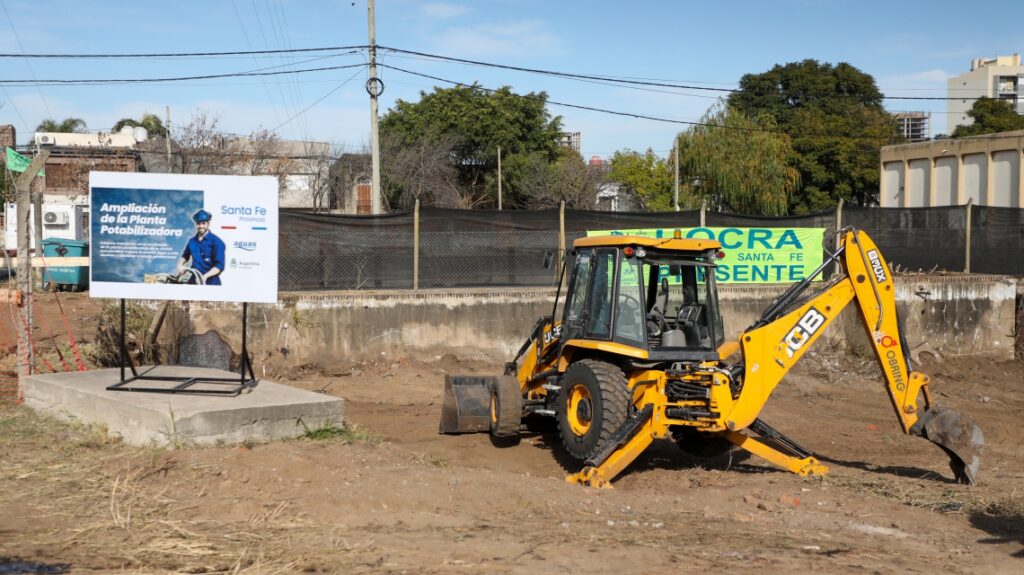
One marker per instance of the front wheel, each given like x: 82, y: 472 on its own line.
x: 593, y: 404
x: 506, y: 407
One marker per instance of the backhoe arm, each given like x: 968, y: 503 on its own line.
x: 773, y: 345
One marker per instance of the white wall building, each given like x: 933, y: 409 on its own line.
x: 1001, y: 77
x: 984, y: 170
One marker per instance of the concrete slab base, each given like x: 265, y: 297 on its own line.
x: 268, y: 412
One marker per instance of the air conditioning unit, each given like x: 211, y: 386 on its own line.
x: 44, y: 139
x: 55, y: 218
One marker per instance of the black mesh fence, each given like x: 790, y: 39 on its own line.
x: 334, y: 252
x: 997, y: 240
x: 473, y: 248
x: 916, y: 238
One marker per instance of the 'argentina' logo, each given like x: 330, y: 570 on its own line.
x: 246, y: 246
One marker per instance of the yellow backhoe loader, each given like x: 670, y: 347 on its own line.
x: 640, y: 354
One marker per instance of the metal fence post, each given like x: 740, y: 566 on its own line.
x: 839, y: 222
x: 416, y: 246
x: 703, y: 210
x: 967, y: 254
x: 839, y: 226
x: 561, y: 238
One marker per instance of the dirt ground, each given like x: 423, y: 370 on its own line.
x: 391, y: 495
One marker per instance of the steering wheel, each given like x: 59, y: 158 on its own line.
x: 628, y: 304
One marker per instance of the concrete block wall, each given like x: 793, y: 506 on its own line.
x: 951, y: 315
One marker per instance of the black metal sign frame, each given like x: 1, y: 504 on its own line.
x: 224, y: 386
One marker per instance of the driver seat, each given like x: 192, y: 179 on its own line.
x: 657, y: 313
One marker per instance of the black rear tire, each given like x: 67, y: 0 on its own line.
x: 506, y: 407
x: 593, y: 403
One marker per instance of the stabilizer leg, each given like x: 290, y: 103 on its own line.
x: 778, y: 449
x: 628, y: 443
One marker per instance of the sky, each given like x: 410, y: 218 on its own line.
x: 910, y: 47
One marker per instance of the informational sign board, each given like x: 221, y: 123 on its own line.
x: 183, y: 237
x: 752, y: 255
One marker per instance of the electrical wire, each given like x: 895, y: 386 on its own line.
x: 321, y: 99
x: 96, y: 82
x: 187, y: 54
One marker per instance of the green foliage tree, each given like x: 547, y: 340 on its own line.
x: 151, y: 122
x: 836, y: 122
x: 647, y: 175
x: 737, y: 163
x: 478, y: 121
x: 990, y: 116
x: 67, y: 125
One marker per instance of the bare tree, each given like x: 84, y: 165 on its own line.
x: 424, y: 171
x: 319, y: 157
x: 538, y: 183
x: 201, y: 146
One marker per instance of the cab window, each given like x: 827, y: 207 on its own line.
x: 599, y: 299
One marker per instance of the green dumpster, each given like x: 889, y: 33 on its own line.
x: 66, y: 277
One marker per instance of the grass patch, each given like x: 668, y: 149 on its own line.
x: 330, y: 432
x: 910, y: 494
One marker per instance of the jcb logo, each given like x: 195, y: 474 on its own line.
x: 808, y: 325
x: 876, y: 266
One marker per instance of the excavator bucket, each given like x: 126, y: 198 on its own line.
x: 960, y: 437
x: 466, y: 406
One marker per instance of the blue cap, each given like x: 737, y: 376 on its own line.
x: 202, y: 216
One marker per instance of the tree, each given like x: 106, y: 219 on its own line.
x: 647, y: 175
x: 151, y: 122
x: 835, y: 119
x: 990, y: 116
x: 531, y: 180
x: 479, y: 121
x: 737, y: 163
x: 68, y: 125
x: 423, y: 171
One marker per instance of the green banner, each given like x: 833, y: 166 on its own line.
x: 18, y: 163
x: 753, y: 255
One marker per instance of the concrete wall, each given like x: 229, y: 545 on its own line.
x: 955, y: 315
x: 983, y: 169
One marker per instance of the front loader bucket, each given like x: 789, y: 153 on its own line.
x: 959, y: 436
x: 466, y: 406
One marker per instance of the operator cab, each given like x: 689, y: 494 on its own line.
x: 655, y: 294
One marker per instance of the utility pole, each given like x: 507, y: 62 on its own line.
x: 22, y: 186
x: 167, y: 138
x: 499, y: 178
x: 374, y: 87
x: 37, y: 232
x: 675, y: 181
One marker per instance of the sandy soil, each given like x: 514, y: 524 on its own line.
x: 391, y: 495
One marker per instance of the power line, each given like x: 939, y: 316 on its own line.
x: 558, y: 74
x: 173, y: 79
x: 188, y: 54
x: 616, y: 80
x: 657, y: 118
x: 321, y: 99
x: 582, y: 107
x: 571, y: 75
x: 27, y: 63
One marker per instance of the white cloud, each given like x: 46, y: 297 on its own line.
x: 442, y: 11
x: 508, y: 39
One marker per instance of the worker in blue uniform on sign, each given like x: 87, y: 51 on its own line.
x: 206, y: 252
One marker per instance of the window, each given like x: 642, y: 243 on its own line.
x: 599, y: 299
x: 629, y: 317
x: 577, y: 297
